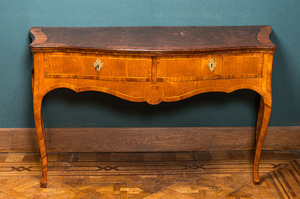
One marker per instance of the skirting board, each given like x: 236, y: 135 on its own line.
x: 148, y: 139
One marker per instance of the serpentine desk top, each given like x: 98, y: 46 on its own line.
x: 154, y: 39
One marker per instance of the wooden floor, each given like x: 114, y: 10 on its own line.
x: 180, y: 175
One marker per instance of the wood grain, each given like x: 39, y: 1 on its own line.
x: 154, y: 39
x: 209, y: 174
x: 153, y: 64
x: 148, y: 139
x: 5, y: 139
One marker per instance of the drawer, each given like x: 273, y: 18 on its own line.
x: 81, y: 66
x: 193, y: 68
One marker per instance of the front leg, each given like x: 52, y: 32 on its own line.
x: 259, y: 119
x: 262, y: 126
x: 37, y: 104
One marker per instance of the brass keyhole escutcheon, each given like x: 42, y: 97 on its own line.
x: 212, y: 65
x: 98, y: 64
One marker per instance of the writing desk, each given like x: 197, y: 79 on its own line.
x: 153, y: 64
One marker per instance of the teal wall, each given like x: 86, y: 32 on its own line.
x: 64, y: 108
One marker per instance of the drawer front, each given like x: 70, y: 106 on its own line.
x: 122, y: 68
x: 209, y: 67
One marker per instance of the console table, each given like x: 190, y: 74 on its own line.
x: 153, y: 64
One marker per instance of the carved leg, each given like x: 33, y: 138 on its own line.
x: 259, y: 119
x: 265, y: 112
x: 37, y: 104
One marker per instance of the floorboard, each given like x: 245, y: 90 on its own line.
x: 182, y: 175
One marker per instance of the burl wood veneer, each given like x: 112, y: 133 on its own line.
x: 153, y: 64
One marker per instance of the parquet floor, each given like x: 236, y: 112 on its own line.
x: 178, y: 175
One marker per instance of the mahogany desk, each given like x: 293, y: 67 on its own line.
x: 153, y: 64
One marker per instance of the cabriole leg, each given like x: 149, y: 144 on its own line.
x: 259, y: 119
x: 264, y: 114
x: 37, y: 104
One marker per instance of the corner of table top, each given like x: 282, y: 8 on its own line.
x: 263, y: 37
x: 38, y: 37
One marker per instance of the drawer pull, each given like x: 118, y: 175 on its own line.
x: 212, y: 65
x: 98, y: 64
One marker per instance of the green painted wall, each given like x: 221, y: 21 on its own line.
x: 64, y: 108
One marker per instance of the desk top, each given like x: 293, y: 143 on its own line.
x: 153, y: 39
